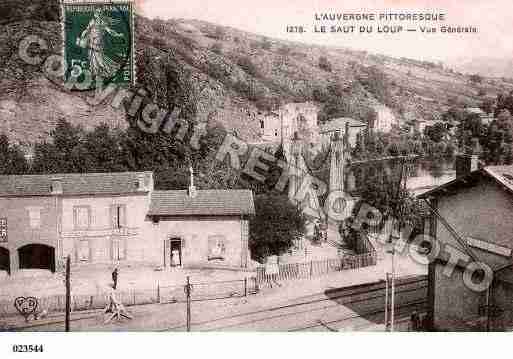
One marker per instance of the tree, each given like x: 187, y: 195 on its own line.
x: 64, y: 152
x: 168, y: 82
x: 103, y: 150
x: 217, y: 48
x: 384, y: 190
x: 266, y: 44
x: 248, y: 66
x: 12, y: 158
x: 324, y: 64
x: 437, y: 132
x: 504, y: 102
x: 275, y: 227
x: 476, y: 79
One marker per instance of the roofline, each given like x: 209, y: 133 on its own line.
x: 485, y: 171
x: 57, y: 175
x: 49, y: 195
x: 209, y: 215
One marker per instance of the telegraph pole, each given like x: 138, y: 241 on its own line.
x: 188, y: 294
x: 68, y: 293
x: 398, y: 217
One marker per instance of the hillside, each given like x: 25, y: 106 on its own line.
x: 234, y: 76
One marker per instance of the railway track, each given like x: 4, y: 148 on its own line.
x: 333, y: 307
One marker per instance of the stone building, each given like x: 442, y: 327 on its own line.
x: 341, y: 126
x: 112, y: 217
x: 281, y: 124
x: 473, y: 216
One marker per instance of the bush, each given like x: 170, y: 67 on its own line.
x: 376, y: 82
x: 247, y: 66
x: 159, y: 26
x: 250, y: 91
x: 159, y: 42
x: 284, y: 50
x: 266, y: 103
x: 475, y: 79
x: 217, y: 48
x: 217, y: 71
x: 266, y: 44
x: 218, y: 33
x: 324, y: 64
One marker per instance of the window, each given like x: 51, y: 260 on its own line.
x: 216, y: 247
x: 118, y: 249
x: 262, y: 124
x: 83, y: 251
x: 81, y: 217
x: 118, y: 216
x: 34, y: 216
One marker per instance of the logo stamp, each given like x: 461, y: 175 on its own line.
x: 26, y: 306
x: 98, y: 43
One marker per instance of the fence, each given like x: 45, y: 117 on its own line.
x: 318, y: 268
x: 158, y: 294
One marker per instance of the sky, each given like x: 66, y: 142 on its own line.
x: 493, y: 18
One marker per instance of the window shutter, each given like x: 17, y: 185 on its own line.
x: 122, y: 213
x: 124, y: 248
x: 113, y: 217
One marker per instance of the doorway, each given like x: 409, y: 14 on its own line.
x: 175, y: 252
x: 5, y: 261
x: 37, y: 256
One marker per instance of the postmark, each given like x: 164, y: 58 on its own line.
x: 98, y: 43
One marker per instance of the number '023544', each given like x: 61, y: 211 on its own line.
x: 32, y: 348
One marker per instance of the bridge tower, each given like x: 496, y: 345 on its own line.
x: 296, y: 146
x: 337, y: 163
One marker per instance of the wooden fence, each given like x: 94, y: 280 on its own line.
x: 318, y: 268
x: 158, y: 294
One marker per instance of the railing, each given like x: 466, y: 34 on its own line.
x: 317, y: 268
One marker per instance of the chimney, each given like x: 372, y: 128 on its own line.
x: 192, y: 189
x: 56, y: 187
x: 141, y: 182
x: 468, y: 162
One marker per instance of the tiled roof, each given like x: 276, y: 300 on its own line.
x: 501, y: 174
x: 475, y: 110
x: 205, y: 203
x: 339, y: 124
x: 73, y: 183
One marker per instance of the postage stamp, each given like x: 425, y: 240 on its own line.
x: 98, y: 43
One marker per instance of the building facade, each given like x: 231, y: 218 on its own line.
x: 475, y: 218
x: 340, y: 127
x: 114, y: 217
x: 280, y: 125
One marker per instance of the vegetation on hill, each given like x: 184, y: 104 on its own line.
x: 233, y: 75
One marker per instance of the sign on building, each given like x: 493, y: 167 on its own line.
x: 3, y: 229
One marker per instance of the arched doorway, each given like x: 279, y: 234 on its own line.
x: 37, y: 256
x: 5, y: 260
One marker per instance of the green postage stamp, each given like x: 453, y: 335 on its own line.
x: 98, y: 43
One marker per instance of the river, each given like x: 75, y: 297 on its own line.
x: 421, y: 174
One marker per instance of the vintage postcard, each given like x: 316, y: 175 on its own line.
x: 272, y: 166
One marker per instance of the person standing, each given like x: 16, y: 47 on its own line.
x: 115, y: 273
